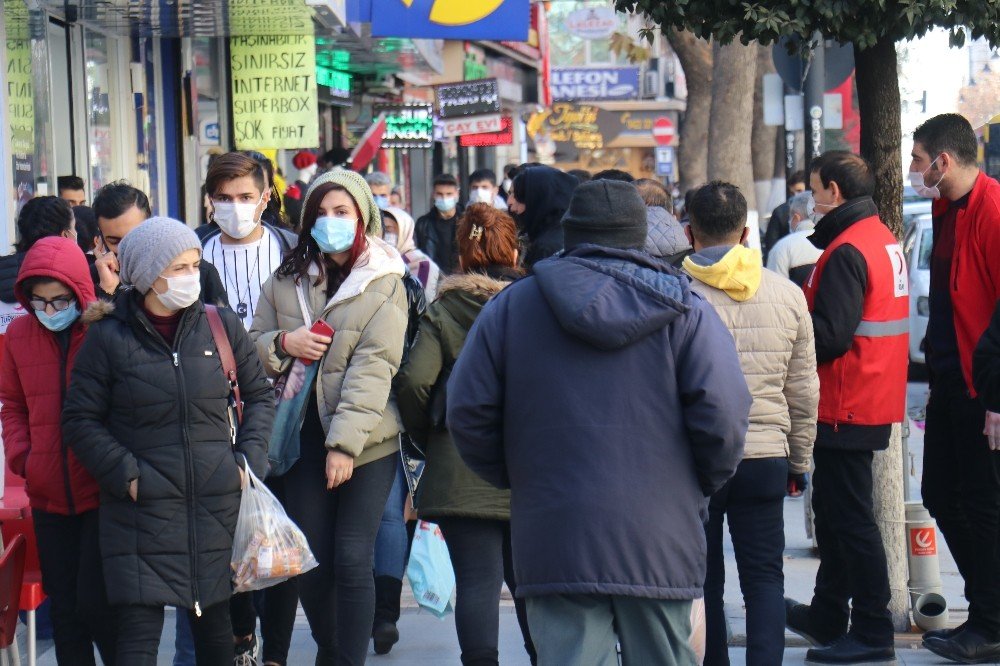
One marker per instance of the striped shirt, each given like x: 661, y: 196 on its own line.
x: 244, y: 269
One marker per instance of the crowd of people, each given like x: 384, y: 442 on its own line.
x: 596, y: 388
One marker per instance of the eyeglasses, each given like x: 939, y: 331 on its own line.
x: 58, y: 304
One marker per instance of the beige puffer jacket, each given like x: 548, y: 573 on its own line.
x: 770, y: 322
x: 369, y: 316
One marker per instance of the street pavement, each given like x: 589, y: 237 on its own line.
x: 428, y: 640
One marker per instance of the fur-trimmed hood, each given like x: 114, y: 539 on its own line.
x: 97, y: 311
x: 476, y: 284
x: 462, y: 296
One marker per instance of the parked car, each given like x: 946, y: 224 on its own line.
x: 917, y: 244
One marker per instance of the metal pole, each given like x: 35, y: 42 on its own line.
x: 814, y: 89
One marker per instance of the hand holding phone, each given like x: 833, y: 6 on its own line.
x: 309, y: 344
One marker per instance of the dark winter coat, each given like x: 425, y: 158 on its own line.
x: 665, y: 236
x: 447, y: 486
x: 986, y: 365
x: 547, y: 192
x: 435, y: 236
x: 33, y: 381
x: 140, y: 409
x: 10, y: 265
x: 609, y: 398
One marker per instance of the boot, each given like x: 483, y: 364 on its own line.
x: 384, y: 631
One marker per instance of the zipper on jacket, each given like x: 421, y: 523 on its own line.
x: 63, y: 364
x: 188, y: 462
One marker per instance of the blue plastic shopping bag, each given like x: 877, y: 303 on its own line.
x: 430, y: 572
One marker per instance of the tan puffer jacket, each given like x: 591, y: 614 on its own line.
x: 369, y: 316
x: 770, y: 322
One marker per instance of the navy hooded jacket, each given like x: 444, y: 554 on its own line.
x: 609, y: 398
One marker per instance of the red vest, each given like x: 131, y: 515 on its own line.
x: 867, y: 385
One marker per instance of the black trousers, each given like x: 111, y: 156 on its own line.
x: 481, y: 556
x: 73, y: 578
x: 753, y: 501
x: 853, y: 581
x: 338, y: 596
x: 140, y: 628
x: 961, y: 490
x: 276, y: 606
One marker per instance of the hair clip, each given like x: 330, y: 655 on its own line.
x: 476, y: 233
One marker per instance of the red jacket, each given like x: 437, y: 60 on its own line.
x: 975, y: 267
x: 34, y: 376
x: 867, y: 385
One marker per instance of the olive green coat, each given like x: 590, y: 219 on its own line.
x: 369, y: 315
x: 447, y: 487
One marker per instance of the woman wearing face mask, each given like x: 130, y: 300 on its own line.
x: 398, y: 228
x: 148, y: 414
x: 347, y: 276
x: 54, y: 285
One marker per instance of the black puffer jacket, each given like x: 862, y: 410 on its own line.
x: 9, y: 268
x: 546, y: 194
x: 137, y: 409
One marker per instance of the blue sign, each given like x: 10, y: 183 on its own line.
x: 359, y: 11
x: 496, y: 20
x: 665, y: 161
x: 571, y: 84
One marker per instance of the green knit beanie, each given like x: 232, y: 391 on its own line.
x: 359, y: 190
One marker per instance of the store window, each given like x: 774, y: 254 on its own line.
x: 98, y: 108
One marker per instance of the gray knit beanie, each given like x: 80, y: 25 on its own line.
x: 605, y: 212
x: 149, y: 249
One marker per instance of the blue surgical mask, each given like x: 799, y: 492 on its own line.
x: 334, y: 234
x: 381, y: 201
x: 446, y: 204
x: 59, y: 321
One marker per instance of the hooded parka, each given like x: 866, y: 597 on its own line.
x: 139, y: 408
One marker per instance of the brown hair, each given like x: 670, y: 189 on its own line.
x: 654, y: 193
x: 231, y: 166
x: 486, y: 237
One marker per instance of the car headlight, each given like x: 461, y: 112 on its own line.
x: 923, y: 306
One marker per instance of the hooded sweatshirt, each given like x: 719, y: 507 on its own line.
x: 34, y: 376
x: 421, y: 266
x: 610, y: 400
x: 547, y: 193
x: 770, y: 323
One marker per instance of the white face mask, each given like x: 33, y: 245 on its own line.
x: 182, y: 291
x: 482, y: 195
x: 391, y: 238
x: 506, y: 184
x: 237, y: 220
x: 917, y: 182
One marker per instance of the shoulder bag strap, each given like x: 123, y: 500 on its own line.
x: 226, y: 355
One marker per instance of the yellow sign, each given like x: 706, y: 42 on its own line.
x: 20, y: 87
x: 274, y: 92
x: 460, y: 12
x: 269, y: 17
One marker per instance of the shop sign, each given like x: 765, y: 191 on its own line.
x: 564, y: 130
x: 407, y: 125
x: 274, y: 92
x: 473, y: 125
x: 586, y: 83
x: 338, y: 82
x: 268, y: 17
x: 505, y: 137
x: 471, y: 98
x: 18, y: 81
x: 451, y: 19
x: 592, y: 22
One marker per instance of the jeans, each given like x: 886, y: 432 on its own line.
x: 391, y: 545
x: 183, y: 640
x: 276, y: 605
x: 72, y: 577
x: 852, y: 566
x: 338, y: 596
x: 583, y: 630
x: 961, y: 490
x: 481, y: 556
x: 753, y: 502
x: 140, y: 628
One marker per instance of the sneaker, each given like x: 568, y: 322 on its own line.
x: 797, y: 621
x: 385, y: 635
x: 247, y: 651
x: 849, y: 650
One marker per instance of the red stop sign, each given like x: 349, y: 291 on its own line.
x: 663, y: 131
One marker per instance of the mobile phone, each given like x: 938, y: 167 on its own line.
x: 319, y: 328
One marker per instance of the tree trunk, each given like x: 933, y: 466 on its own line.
x: 695, y: 55
x: 729, y: 135
x: 890, y: 514
x: 764, y: 137
x: 879, y: 108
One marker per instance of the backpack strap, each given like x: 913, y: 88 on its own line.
x: 226, y: 355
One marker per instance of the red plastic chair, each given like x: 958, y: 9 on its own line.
x: 11, y: 572
x: 32, y: 595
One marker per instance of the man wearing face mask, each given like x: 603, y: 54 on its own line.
x: 483, y: 189
x: 381, y: 187
x: 961, y: 481
x: 244, y: 249
x: 859, y: 301
x: 794, y: 256
x: 435, y: 232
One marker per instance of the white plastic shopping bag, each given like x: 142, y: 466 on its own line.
x: 268, y: 547
x: 429, y: 570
